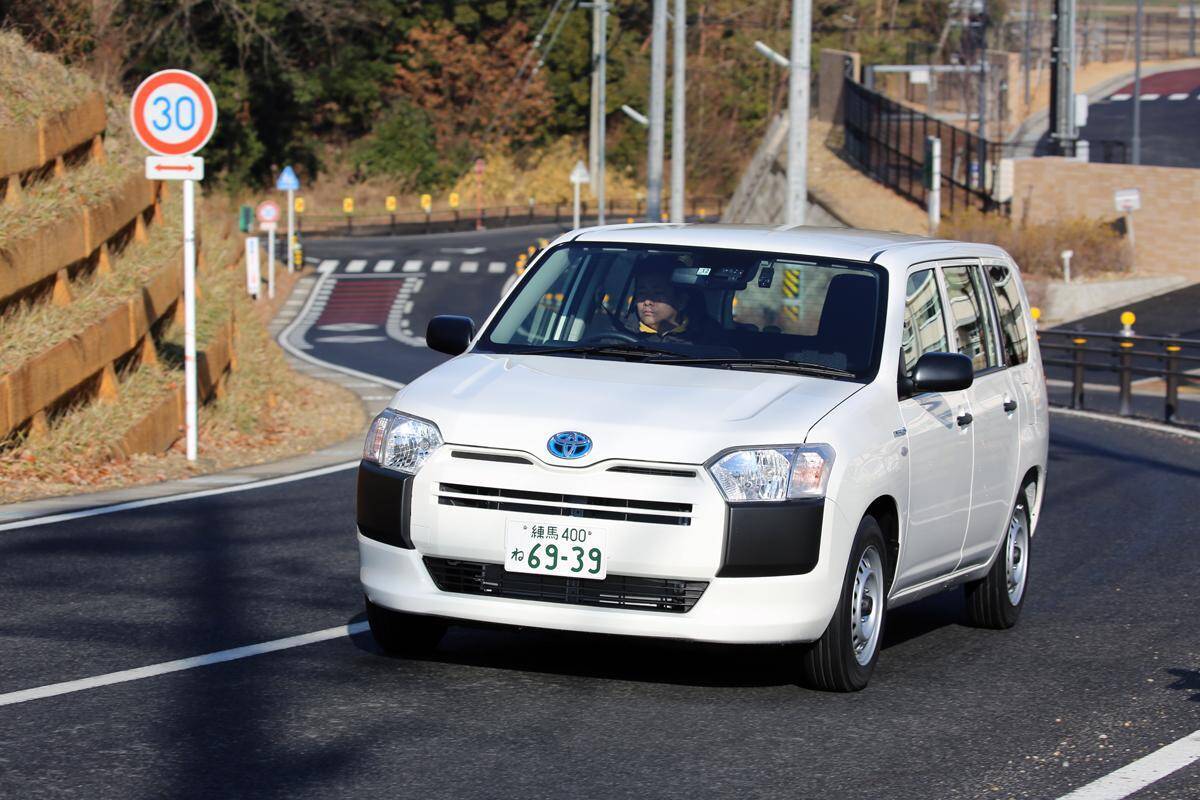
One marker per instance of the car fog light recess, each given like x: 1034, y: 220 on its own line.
x: 773, y: 474
x: 400, y: 442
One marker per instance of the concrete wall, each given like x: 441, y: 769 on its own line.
x: 831, y: 79
x: 1166, y: 229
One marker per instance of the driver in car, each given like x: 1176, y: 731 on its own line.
x: 663, y: 309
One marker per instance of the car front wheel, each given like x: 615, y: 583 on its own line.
x: 843, y: 659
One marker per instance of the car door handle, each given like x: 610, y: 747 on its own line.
x: 965, y: 419
x: 1010, y: 406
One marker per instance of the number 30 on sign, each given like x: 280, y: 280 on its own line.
x: 173, y: 113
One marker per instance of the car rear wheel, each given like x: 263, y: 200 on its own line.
x: 996, y: 600
x: 843, y: 659
x: 401, y: 634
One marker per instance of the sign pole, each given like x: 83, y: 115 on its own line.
x: 576, y: 216
x: 291, y: 240
x: 271, y: 263
x: 189, y: 314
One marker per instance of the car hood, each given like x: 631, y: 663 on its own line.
x: 631, y: 410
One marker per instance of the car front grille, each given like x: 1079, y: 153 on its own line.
x: 615, y: 591
x: 564, y: 505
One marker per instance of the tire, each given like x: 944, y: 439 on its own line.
x: 400, y: 634
x: 995, y: 601
x: 843, y: 659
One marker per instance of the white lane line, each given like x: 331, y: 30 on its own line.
x: 1145, y: 98
x: 139, y: 673
x: 328, y: 265
x: 1141, y: 773
x: 440, y: 265
x: 356, y: 265
x: 1158, y: 427
x: 1178, y: 96
x: 412, y: 265
x: 469, y: 266
x: 174, y: 498
x: 1120, y: 97
x: 497, y: 266
x: 385, y: 265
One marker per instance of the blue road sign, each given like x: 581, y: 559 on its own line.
x: 287, y: 180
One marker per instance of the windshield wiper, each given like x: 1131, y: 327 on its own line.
x: 781, y: 364
x: 602, y: 350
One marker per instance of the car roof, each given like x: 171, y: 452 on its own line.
x: 838, y: 243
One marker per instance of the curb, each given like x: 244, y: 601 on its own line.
x: 374, y: 394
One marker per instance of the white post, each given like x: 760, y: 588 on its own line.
x: 1066, y: 259
x: 271, y: 262
x: 1132, y: 243
x: 798, y: 79
x: 189, y: 315
x: 658, y: 101
x: 291, y: 240
x: 678, y: 111
x: 934, y: 201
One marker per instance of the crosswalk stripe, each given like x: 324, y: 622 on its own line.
x: 328, y: 265
x: 469, y: 266
x: 441, y: 266
x: 497, y: 266
x: 412, y: 265
x: 385, y: 265
x: 1179, y: 96
x: 357, y: 265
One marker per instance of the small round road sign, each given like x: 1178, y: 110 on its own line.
x: 173, y: 113
x: 267, y: 211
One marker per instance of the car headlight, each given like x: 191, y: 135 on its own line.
x: 400, y: 442
x: 773, y: 474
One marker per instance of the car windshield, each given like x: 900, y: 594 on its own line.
x: 703, y: 307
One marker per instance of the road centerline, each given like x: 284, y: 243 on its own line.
x: 178, y: 665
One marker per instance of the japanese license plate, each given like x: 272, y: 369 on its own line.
x: 567, y: 550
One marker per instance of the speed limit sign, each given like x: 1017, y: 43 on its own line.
x: 173, y: 113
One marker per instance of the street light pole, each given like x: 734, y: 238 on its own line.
x: 1136, y: 157
x: 658, y: 79
x: 798, y: 90
x: 678, y: 111
x: 601, y: 108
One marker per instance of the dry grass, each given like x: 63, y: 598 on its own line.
x: 33, y: 84
x: 1037, y: 247
x: 507, y: 181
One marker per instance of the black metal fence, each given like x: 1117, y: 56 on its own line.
x: 887, y: 140
x: 402, y: 223
x: 1145, y: 368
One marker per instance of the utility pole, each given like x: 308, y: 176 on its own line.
x: 601, y: 109
x: 1026, y: 51
x: 983, y: 95
x: 678, y: 111
x: 1136, y: 157
x: 658, y: 101
x: 593, y: 114
x: 1062, y: 78
x: 798, y: 86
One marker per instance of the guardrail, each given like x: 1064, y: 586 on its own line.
x: 1173, y: 360
x: 401, y: 223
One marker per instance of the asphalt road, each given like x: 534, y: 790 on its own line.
x: 1170, y: 111
x: 1103, y: 668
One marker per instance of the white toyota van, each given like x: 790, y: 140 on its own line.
x: 716, y: 433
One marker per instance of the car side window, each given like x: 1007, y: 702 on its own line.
x: 972, y: 323
x: 1014, y: 335
x: 924, y: 323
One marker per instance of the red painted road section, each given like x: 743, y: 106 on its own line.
x: 360, y: 301
x: 1184, y: 80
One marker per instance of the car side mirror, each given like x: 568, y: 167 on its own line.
x: 450, y: 334
x: 942, y: 372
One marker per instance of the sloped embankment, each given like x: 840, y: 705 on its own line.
x: 90, y: 305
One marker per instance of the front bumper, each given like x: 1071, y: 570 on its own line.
x: 761, y: 574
